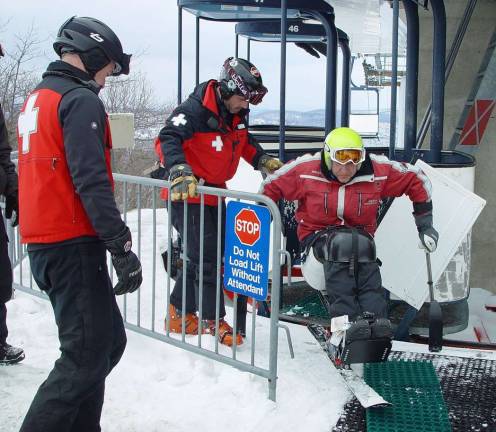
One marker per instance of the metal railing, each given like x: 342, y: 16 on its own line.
x: 144, y: 310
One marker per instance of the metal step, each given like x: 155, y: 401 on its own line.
x: 468, y: 386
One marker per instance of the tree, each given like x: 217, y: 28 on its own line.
x: 123, y: 94
x: 17, y: 79
x: 134, y: 94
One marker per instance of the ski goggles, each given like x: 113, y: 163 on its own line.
x: 122, y: 65
x: 254, y: 97
x: 344, y: 156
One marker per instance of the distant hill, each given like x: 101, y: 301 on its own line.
x: 299, y: 118
x: 293, y: 118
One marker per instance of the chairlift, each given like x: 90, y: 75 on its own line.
x: 244, y: 10
x: 378, y: 73
x: 312, y: 38
x: 365, y: 120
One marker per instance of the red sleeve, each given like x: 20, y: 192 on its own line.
x: 403, y: 178
x: 284, y: 183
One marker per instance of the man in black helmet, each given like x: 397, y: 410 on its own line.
x: 8, y: 189
x: 204, y: 138
x: 71, y: 220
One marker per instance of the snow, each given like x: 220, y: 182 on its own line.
x: 158, y: 387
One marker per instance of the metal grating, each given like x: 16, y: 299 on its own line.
x: 469, y: 391
x: 408, y: 384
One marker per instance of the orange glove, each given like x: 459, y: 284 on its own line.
x: 269, y: 164
x: 183, y: 182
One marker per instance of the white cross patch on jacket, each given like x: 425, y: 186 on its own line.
x: 179, y: 120
x: 27, y: 122
x: 217, y: 143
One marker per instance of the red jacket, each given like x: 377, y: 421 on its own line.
x: 51, y: 210
x: 324, y: 202
x: 197, y: 133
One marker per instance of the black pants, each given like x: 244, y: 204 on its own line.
x: 193, y: 254
x: 352, y: 299
x: 91, y: 334
x: 353, y: 289
x: 5, y: 281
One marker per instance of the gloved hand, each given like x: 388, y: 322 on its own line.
x: 128, y: 269
x: 12, y: 208
x: 183, y: 182
x: 126, y: 263
x: 427, y: 234
x: 269, y: 164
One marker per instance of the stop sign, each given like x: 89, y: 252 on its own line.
x: 247, y: 227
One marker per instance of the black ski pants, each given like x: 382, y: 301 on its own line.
x: 5, y: 281
x: 193, y: 254
x: 351, y: 270
x: 91, y: 334
x: 352, y: 295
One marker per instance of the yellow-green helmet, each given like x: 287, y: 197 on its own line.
x: 343, y: 145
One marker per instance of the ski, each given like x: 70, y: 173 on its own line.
x: 365, y: 394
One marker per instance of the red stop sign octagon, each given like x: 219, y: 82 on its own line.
x: 247, y: 227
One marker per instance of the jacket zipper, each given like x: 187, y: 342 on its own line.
x: 359, y: 203
x: 325, y: 203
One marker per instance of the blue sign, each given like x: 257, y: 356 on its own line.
x: 246, y: 257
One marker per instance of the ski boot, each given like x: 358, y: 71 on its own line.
x: 176, y: 322
x: 226, y: 332
x: 365, y: 340
x: 10, y: 354
x: 343, y: 334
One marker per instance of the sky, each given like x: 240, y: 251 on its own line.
x: 149, y: 28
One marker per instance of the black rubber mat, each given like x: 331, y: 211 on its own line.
x: 469, y: 390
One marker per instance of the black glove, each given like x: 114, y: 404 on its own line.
x: 183, y: 182
x: 128, y: 269
x: 3, y: 180
x: 12, y: 208
x: 427, y: 234
x: 159, y: 172
x: 126, y: 263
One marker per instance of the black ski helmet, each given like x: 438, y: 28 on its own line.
x: 95, y: 42
x: 240, y: 77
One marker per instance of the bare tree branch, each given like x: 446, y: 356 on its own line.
x: 16, y: 78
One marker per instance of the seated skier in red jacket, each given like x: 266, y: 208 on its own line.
x: 338, y: 192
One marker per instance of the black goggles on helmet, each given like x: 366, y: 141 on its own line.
x: 252, y: 96
x: 122, y: 66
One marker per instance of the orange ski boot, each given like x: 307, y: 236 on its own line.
x: 226, y: 334
x: 176, y: 321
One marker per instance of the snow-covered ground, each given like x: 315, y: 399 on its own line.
x: 158, y: 387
